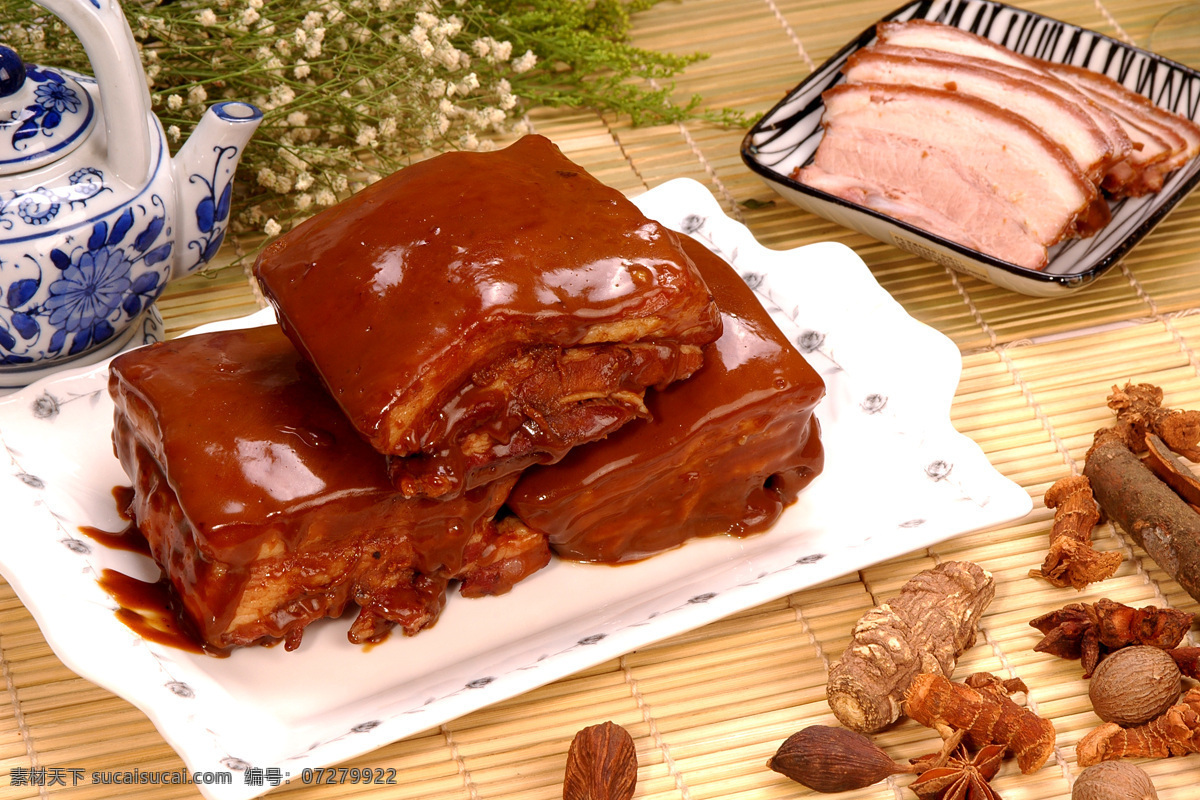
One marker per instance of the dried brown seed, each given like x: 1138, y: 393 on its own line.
x: 1113, y: 780
x: 601, y: 764
x: 829, y: 759
x: 1135, y: 685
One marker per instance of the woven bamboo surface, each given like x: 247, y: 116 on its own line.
x: 708, y: 708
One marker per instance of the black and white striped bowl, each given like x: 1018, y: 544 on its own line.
x: 787, y: 137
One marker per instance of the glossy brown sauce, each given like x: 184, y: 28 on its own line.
x: 129, y: 538
x: 152, y: 611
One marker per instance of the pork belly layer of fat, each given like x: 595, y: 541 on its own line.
x: 1064, y: 121
x: 1009, y: 155
x: 926, y: 188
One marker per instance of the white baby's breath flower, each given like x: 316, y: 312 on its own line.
x: 313, y: 48
x: 207, y: 18
x: 267, y: 178
x: 250, y: 16
x: 469, y: 141
x: 197, y: 95
x: 303, y: 201
x: 297, y: 119
x: 272, y: 228
x: 501, y: 51
x: 389, y: 127
x: 334, y: 15
x: 324, y: 197
x: 525, y: 62
x: 304, y: 181
x: 301, y: 70
x: 174, y: 102
x: 427, y: 20
x: 482, y: 47
x: 174, y: 132
x: 367, y: 136
x: 468, y: 84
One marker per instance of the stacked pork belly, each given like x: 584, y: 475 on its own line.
x: 442, y: 333
x: 1003, y: 153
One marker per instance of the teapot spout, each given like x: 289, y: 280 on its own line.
x: 204, y: 169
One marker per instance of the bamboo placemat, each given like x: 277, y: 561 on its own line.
x: 709, y: 707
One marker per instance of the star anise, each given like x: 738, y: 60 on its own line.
x: 963, y: 777
x: 1090, y: 631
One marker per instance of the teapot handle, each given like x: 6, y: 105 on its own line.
x: 104, y: 32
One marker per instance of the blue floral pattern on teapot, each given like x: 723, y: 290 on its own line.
x: 90, y: 235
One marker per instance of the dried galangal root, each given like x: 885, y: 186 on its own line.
x: 1072, y: 561
x: 1175, y: 733
x: 984, y: 712
x: 924, y: 629
x: 1090, y: 631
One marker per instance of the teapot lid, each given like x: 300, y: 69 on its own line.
x: 44, y: 114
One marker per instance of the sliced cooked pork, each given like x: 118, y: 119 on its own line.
x: 1062, y: 120
x: 952, y: 140
x: 1159, y: 147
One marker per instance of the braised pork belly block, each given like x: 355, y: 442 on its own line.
x: 267, y: 511
x: 477, y: 313
x: 723, y: 452
x: 1003, y: 186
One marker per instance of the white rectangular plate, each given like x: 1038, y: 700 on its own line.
x: 886, y: 428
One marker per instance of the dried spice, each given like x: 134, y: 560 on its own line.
x: 963, y: 777
x: 1140, y: 411
x: 1072, y: 561
x: 924, y: 629
x: 601, y: 764
x: 1188, y: 660
x: 1134, y: 685
x: 1156, y: 517
x: 1090, y: 631
x: 1113, y: 780
x: 830, y: 759
x: 1175, y: 733
x: 986, y: 714
x: 1171, y: 471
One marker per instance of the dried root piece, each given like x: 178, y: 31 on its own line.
x: 1072, y: 561
x: 1175, y: 733
x: 924, y: 629
x: 1140, y: 411
x: 1188, y: 660
x: 987, y: 715
x: 1090, y: 631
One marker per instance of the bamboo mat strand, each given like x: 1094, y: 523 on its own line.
x: 708, y: 707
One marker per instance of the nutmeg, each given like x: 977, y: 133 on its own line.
x: 1113, y: 780
x: 1134, y: 685
x: 829, y: 759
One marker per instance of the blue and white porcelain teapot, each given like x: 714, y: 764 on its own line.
x: 95, y: 216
